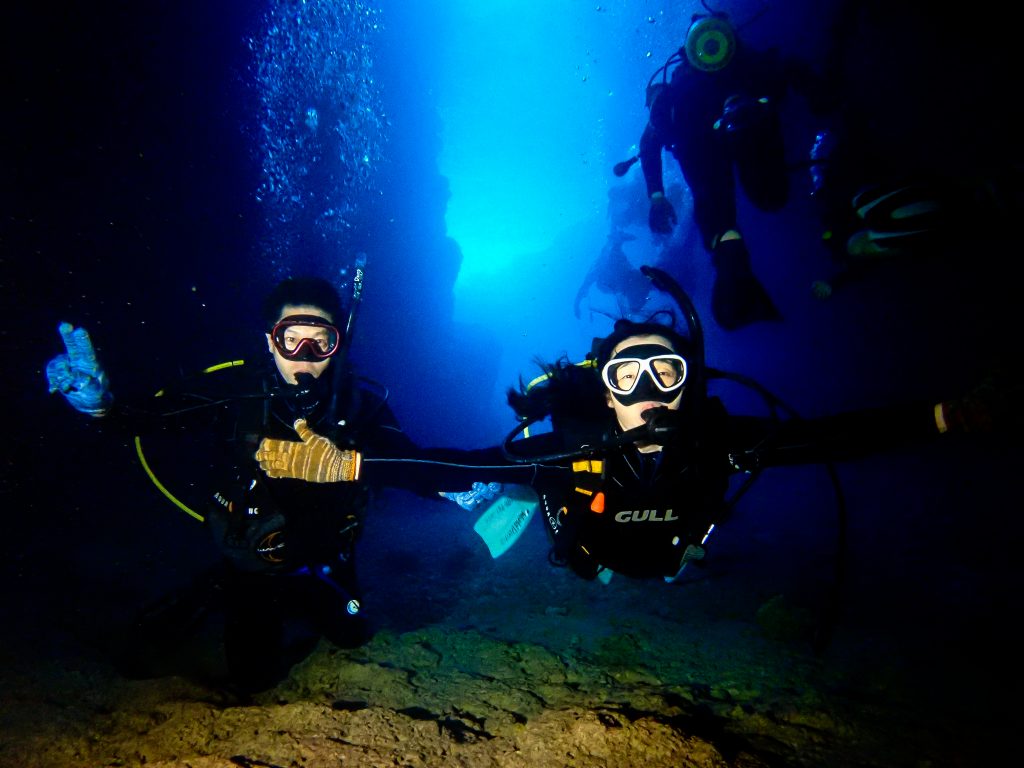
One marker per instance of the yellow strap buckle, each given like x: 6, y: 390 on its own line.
x: 593, y: 466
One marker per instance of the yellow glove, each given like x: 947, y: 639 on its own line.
x: 315, y: 460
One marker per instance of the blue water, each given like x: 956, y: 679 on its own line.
x: 168, y: 162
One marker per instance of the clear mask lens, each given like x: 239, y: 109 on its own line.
x: 667, y: 372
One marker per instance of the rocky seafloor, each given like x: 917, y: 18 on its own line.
x: 509, y: 662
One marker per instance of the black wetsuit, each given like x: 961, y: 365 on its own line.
x: 637, y: 513
x: 683, y: 120
x: 722, y: 125
x: 288, y: 545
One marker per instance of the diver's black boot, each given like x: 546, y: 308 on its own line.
x: 737, y: 297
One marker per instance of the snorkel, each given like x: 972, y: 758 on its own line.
x: 695, y: 331
x: 339, y: 380
x: 655, y: 418
x: 357, y: 298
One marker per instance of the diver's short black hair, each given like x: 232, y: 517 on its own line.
x: 298, y: 291
x: 602, y: 350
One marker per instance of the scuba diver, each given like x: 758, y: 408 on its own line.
x: 873, y: 211
x: 612, y: 273
x: 288, y: 548
x: 634, y: 473
x: 719, y: 111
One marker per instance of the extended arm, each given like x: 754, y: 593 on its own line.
x: 430, y: 471
x: 662, y: 216
x: 758, y: 442
x: 398, y: 464
x: 650, y: 160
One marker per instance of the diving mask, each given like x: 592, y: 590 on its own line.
x: 305, y: 338
x: 644, y: 372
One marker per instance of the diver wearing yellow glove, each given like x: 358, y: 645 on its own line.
x: 288, y: 547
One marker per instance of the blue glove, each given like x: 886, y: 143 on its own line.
x: 77, y: 374
x: 478, y: 496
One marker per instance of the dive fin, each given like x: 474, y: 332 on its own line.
x: 737, y: 297
x: 505, y: 519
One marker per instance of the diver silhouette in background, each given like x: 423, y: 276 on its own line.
x: 886, y: 181
x: 870, y: 221
x: 613, y: 274
x: 873, y: 211
x: 718, y: 117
